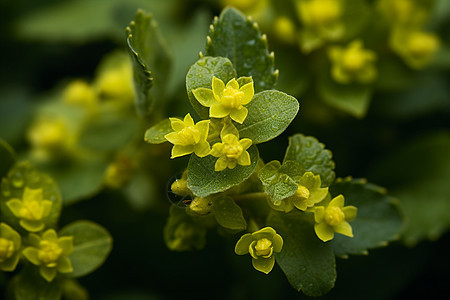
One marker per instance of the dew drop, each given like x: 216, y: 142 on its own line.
x: 201, y: 63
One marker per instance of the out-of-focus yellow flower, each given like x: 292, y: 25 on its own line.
x: 353, y: 63
x: 231, y: 151
x: 49, y: 135
x: 31, y: 210
x: 189, y: 137
x: 116, y: 83
x: 318, y: 13
x: 50, y: 253
x: 285, y: 29
x: 403, y: 13
x: 333, y: 218
x: 417, y: 48
x: 79, y: 92
x: 10, y: 242
x: 227, y: 100
x: 201, y: 205
x: 119, y: 173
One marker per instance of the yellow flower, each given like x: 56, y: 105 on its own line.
x: 285, y: 30
x: 49, y: 135
x: 227, y: 100
x: 352, y: 63
x: 79, y: 92
x: 317, y: 13
x: 10, y: 242
x: 417, y: 48
x: 333, y: 218
x: 261, y: 245
x: 31, y: 210
x: 50, y: 253
x: 116, y: 83
x: 231, y: 151
x: 189, y: 137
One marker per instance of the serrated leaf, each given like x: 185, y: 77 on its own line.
x: 91, y: 246
x: 269, y: 114
x: 351, y: 98
x: 234, y: 36
x: 377, y: 221
x: 204, y: 181
x: 312, y: 155
x: 8, y: 157
x: 279, y: 181
x: 228, y: 214
x: 151, y: 61
x: 308, y: 263
x: 156, y: 133
x: 201, y: 74
x: 24, y: 175
x: 418, y: 175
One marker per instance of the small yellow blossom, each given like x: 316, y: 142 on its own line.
x: 49, y: 135
x: 116, y: 83
x: 333, y: 218
x: 403, y: 13
x: 10, y: 242
x: 417, y: 48
x: 201, y: 205
x: 31, y: 210
x: 119, y: 173
x: 352, y: 63
x: 227, y: 100
x: 316, y: 13
x: 285, y: 30
x: 79, y: 92
x: 231, y: 151
x: 261, y: 245
x: 309, y: 192
x: 50, y: 253
x: 179, y: 186
x: 189, y: 137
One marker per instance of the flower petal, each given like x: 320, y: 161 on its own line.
x: 239, y: 115
x: 244, y: 159
x: 15, y: 205
x: 203, y: 129
x: 66, y: 244
x: 31, y: 254
x: 48, y: 273
x: 10, y: 264
x: 300, y: 203
x: 217, y: 87
x: 32, y: 194
x: 319, y: 213
x: 32, y: 226
x: 221, y: 164
x: 248, y: 91
x: 350, y: 212
x: 188, y: 121
x: 344, y: 228
x: 337, y: 201
x: 179, y: 150
x: 202, y: 149
x: 46, y: 207
x: 243, y: 244
x: 219, y: 111
x: 230, y: 139
x: 176, y: 124
x: 233, y: 83
x: 50, y: 235
x: 277, y: 243
x: 217, y: 150
x: 324, y: 231
x: 65, y: 265
x: 245, y: 143
x: 204, y: 96
x: 173, y: 138
x: 264, y: 265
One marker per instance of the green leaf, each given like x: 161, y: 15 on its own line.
x: 280, y: 181
x: 234, y: 36
x: 377, y: 221
x: 181, y: 233
x: 91, y: 246
x: 312, y: 155
x: 307, y: 262
x: 228, y: 214
x: 148, y: 52
x: 24, y: 175
x: 269, y: 114
x: 109, y: 132
x: 351, y: 98
x: 200, y: 75
x: 204, y: 181
x: 418, y: 175
x: 8, y: 157
x: 156, y: 133
x: 29, y: 285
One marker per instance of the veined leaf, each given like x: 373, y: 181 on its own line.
x: 228, y: 214
x: 308, y: 263
x: 156, y: 133
x: 203, y: 180
x: 377, y: 221
x: 312, y: 155
x: 269, y: 114
x: 151, y: 61
x: 234, y: 36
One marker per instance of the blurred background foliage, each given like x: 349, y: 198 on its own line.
x: 393, y: 129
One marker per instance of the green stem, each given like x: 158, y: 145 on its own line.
x: 250, y: 196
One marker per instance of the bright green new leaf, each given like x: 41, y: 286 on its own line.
x: 29, y: 285
x: 8, y: 157
x: 156, y: 133
x: 201, y: 74
x: 91, y: 246
x: 308, y: 263
x: 29, y: 200
x: 148, y: 52
x: 203, y: 180
x: 269, y: 114
x: 377, y: 221
x: 280, y: 180
x: 419, y: 173
x: 234, y: 36
x: 228, y: 214
x: 312, y: 155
